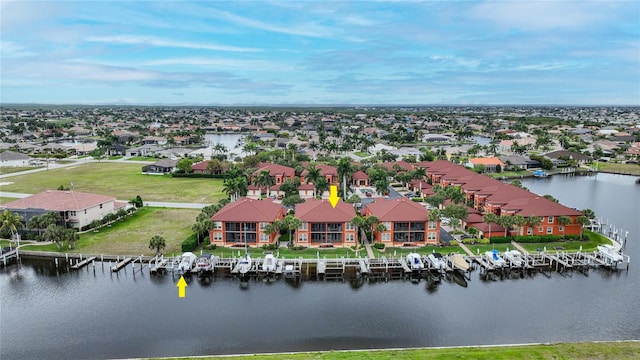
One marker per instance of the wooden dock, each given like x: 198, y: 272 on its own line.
x: 83, y: 263
x: 117, y: 267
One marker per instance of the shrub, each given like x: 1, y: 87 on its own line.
x: 270, y: 247
x: 500, y: 239
x: 378, y: 245
x: 417, y: 199
x: 484, y: 241
x: 190, y: 243
x: 211, y: 247
x: 453, y: 243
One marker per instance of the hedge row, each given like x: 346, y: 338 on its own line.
x: 532, y: 238
x: 191, y: 175
x: 190, y: 243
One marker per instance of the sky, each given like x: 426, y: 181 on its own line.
x: 320, y: 52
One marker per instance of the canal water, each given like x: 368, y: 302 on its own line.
x: 94, y: 314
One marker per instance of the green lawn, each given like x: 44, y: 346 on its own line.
x: 511, y: 174
x: 619, y: 168
x: 124, y: 181
x: 362, y: 154
x: 564, y: 351
x: 10, y: 170
x: 290, y: 254
x: 142, y: 158
x: 131, y: 237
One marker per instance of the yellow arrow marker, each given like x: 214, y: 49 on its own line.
x: 182, y: 287
x: 333, y: 195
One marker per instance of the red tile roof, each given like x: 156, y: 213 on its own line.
x: 314, y: 210
x: 248, y: 210
x: 402, y: 164
x: 360, y: 175
x: 275, y: 169
x: 401, y: 209
x: 202, y: 165
x: 538, y: 206
x: 324, y: 170
x: 56, y: 200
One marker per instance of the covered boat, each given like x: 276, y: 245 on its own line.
x: 415, y: 262
x: 494, y: 258
x: 187, y: 262
x: 269, y: 264
x: 459, y: 262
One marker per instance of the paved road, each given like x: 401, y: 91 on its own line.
x: 74, y: 163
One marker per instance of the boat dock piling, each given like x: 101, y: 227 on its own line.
x: 82, y: 263
x: 121, y: 264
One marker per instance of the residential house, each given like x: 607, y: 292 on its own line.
x: 519, y: 162
x: 77, y: 209
x: 330, y: 173
x: 406, y: 223
x: 162, y: 166
x: 491, y: 164
x: 565, y: 155
x: 244, y: 221
x: 360, y: 178
x: 279, y: 173
x: 325, y: 226
x: 13, y: 159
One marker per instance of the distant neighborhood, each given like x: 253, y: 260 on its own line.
x: 410, y: 171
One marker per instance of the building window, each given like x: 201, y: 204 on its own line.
x: 431, y: 236
x: 217, y: 236
x: 540, y: 229
x: 217, y: 225
x: 264, y: 237
x: 387, y: 225
x: 550, y: 230
x: 432, y: 225
x: 263, y: 225
x: 349, y: 237
x: 386, y: 236
x: 350, y: 226
x: 303, y: 226
x: 73, y: 213
x: 561, y: 228
x: 302, y: 237
x: 100, y: 206
x: 550, y: 219
x: 529, y: 231
x: 85, y: 211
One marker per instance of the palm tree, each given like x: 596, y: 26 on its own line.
x: 313, y: 174
x: 202, y: 225
x: 583, y: 221
x: 505, y: 221
x: 157, y: 243
x: 250, y: 147
x: 473, y: 231
x: 359, y: 222
x: 489, y: 219
x: 273, y: 227
x: 219, y: 148
x: 37, y: 222
x: 345, y: 169
x: 321, y: 185
x: 589, y: 214
x: 564, y: 221
x: 291, y: 222
x: 534, y: 221
x: 12, y: 222
x: 55, y: 234
x: 71, y: 237
x: 264, y: 179
x: 519, y: 221
x: 382, y: 186
x: 455, y: 194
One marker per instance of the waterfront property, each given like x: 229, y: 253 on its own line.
x: 245, y: 221
x: 493, y: 196
x: 325, y: 226
x: 77, y: 209
x: 406, y: 223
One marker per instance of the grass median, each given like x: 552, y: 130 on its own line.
x: 122, y: 180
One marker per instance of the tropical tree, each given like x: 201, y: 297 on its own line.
x: 321, y: 185
x: 589, y: 214
x: 456, y: 213
x: 273, y: 227
x: 291, y: 223
x: 550, y: 197
x: 312, y: 176
x: 533, y: 221
x: 583, y: 221
x: 436, y: 200
x: 264, y: 179
x: 456, y: 194
x: 359, y: 222
x: 434, y: 215
x: 11, y: 222
x: 519, y: 221
x: 59, y: 235
x: 564, y: 221
x: 473, y: 232
x: 250, y: 148
x: 202, y: 225
x: 489, y: 219
x: 506, y: 221
x: 157, y: 243
x: 292, y: 200
x: 136, y: 202
x: 184, y: 165
x: 38, y: 222
x: 345, y: 169
x: 382, y: 186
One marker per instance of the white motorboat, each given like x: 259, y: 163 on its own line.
x: 204, y: 263
x: 494, y: 258
x: 514, y: 257
x: 415, y: 262
x: 437, y: 261
x: 269, y: 264
x: 187, y: 262
x: 609, y: 252
x: 245, y: 264
x: 459, y: 262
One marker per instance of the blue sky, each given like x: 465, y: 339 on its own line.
x: 325, y: 52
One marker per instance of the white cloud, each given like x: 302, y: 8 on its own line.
x: 257, y: 65
x: 154, y: 41
x: 9, y: 49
